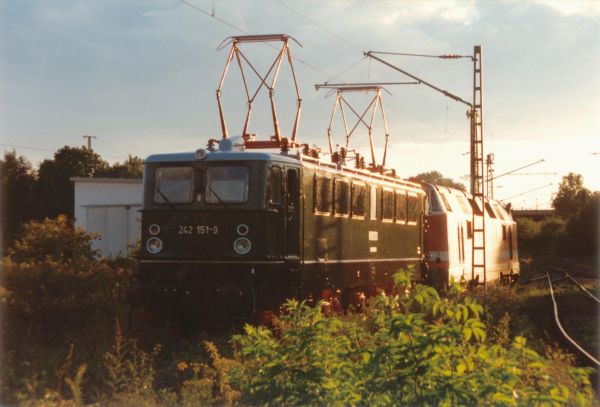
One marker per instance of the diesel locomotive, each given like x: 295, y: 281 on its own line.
x: 449, y: 238
x: 229, y: 232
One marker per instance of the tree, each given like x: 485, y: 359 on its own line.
x: 571, y: 196
x: 582, y: 229
x: 435, y: 177
x: 131, y: 168
x: 54, y: 178
x: 18, y: 184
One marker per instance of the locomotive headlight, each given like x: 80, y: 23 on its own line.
x: 242, y: 229
x: 200, y: 154
x: 154, y: 229
x: 242, y: 245
x: 154, y: 245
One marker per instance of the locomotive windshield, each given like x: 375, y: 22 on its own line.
x: 227, y: 184
x: 174, y: 185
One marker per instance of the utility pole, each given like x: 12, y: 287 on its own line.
x: 89, y: 141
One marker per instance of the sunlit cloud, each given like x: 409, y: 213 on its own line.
x: 573, y: 7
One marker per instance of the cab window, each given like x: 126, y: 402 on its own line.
x: 174, y: 185
x: 227, y: 184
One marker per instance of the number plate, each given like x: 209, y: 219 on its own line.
x: 197, y: 230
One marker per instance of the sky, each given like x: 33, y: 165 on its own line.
x: 140, y: 76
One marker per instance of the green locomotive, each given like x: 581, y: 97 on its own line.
x: 227, y: 232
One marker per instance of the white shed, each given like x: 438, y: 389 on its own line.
x: 110, y: 208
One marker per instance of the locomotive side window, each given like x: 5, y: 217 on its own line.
x: 436, y: 205
x: 359, y: 195
x: 227, y: 184
x: 412, y: 204
x: 275, y: 186
x: 475, y: 206
x: 400, y: 206
x: 373, y: 203
x: 322, y: 195
x: 174, y: 185
x: 445, y: 200
x: 342, y: 197
x: 292, y: 187
x: 387, y: 205
x: 500, y: 211
x: 489, y: 210
x: 462, y: 201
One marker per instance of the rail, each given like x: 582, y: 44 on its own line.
x: 582, y: 288
x: 560, y: 327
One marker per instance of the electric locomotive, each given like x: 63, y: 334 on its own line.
x: 228, y: 232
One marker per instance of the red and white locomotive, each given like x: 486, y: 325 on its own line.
x: 449, y: 237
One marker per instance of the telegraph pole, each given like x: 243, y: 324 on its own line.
x: 89, y: 141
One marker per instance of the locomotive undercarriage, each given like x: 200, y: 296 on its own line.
x: 209, y: 292
x: 203, y: 294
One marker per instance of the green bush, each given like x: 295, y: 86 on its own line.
x: 410, y: 349
x: 55, y: 297
x: 60, y: 304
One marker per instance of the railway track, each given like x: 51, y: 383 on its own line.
x: 578, y: 278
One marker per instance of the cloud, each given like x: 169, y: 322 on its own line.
x: 573, y: 7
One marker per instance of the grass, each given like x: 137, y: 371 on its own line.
x: 531, y: 315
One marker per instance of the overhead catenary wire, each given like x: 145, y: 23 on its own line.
x: 199, y: 9
x: 562, y: 330
x: 309, y: 65
x: 316, y: 23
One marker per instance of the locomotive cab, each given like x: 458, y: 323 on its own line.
x: 220, y: 234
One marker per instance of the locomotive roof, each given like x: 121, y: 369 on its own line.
x: 290, y: 158
x: 223, y: 156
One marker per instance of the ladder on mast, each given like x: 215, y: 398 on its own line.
x: 478, y: 260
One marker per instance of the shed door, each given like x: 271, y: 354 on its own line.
x: 111, y: 224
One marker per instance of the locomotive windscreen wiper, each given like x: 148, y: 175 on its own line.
x: 217, y: 196
x: 163, y: 196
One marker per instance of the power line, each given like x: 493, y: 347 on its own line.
x: 315, y: 68
x: 112, y: 147
x: 193, y: 6
x: 281, y: 3
x: 214, y: 16
x: 526, y: 192
x: 48, y: 150
x: 27, y: 148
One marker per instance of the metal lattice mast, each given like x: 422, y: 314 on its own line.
x: 478, y: 260
x: 489, y: 175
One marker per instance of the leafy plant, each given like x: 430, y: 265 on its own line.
x: 413, y: 348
